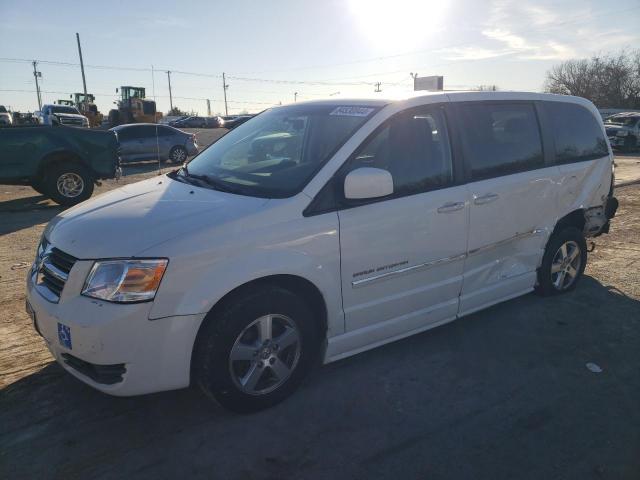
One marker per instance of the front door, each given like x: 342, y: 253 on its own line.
x: 402, y: 257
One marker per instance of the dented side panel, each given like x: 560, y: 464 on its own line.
x: 586, y: 186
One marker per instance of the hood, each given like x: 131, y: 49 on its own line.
x: 133, y: 218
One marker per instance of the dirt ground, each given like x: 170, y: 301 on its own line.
x: 504, y: 393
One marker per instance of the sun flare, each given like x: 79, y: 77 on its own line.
x: 398, y: 24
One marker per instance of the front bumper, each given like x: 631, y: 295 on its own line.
x: 155, y: 354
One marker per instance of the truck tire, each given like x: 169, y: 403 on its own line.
x: 38, y: 187
x: 630, y: 143
x: 256, y: 350
x: 68, y: 183
x: 114, y: 118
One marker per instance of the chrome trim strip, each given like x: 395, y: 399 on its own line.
x: 53, y: 270
x: 440, y: 261
x: 402, y: 271
x: 517, y: 236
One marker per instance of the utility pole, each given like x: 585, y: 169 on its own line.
x: 84, y: 81
x: 153, y: 84
x: 295, y: 96
x: 170, y: 96
x: 37, y: 74
x: 377, y: 90
x: 208, y: 107
x: 224, y: 89
x: 414, y: 76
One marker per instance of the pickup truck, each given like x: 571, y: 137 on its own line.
x: 62, y: 115
x: 60, y: 162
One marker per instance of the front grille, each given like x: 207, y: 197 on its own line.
x: 53, y: 272
x: 74, y: 122
x: 105, y: 374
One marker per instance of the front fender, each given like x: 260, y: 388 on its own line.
x: 309, y: 249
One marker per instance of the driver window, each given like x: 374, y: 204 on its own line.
x: 414, y: 148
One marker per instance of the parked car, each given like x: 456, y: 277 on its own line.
x: 60, y: 162
x: 196, y: 122
x: 61, y: 114
x: 150, y: 141
x: 623, y: 130
x: 233, y: 122
x: 6, y: 119
x: 320, y: 230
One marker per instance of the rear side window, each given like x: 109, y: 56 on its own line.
x: 500, y: 138
x: 127, y: 133
x: 165, y: 131
x: 414, y: 148
x: 577, y: 134
x: 146, y: 131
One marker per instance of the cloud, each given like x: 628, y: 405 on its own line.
x: 475, y: 53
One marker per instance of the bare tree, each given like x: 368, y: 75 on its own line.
x: 609, y: 81
x: 487, y: 88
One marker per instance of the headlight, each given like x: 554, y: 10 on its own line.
x: 125, y: 281
x: 622, y: 133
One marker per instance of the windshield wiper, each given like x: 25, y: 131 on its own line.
x: 208, y: 180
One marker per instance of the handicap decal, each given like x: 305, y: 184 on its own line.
x: 64, y: 335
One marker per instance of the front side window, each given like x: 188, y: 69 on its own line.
x: 500, y: 138
x: 414, y: 148
x: 277, y: 152
x: 577, y: 134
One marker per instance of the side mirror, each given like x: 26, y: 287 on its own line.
x: 367, y: 182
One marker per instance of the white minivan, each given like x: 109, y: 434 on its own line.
x: 319, y: 230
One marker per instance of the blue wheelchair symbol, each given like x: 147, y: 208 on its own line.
x: 64, y: 335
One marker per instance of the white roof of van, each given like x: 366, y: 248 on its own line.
x: 453, y: 96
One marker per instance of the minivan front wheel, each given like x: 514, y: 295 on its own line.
x: 255, y: 350
x: 563, y: 263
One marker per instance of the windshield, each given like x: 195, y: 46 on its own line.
x: 62, y: 109
x: 624, y: 121
x: 277, y: 152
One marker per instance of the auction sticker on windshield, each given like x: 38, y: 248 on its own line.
x: 352, y: 111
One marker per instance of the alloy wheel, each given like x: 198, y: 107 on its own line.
x: 265, y: 354
x: 566, y: 265
x: 179, y: 155
x: 70, y: 184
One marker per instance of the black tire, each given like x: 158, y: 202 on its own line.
x: 114, y: 118
x: 213, y: 370
x: 552, y: 282
x: 38, y: 187
x: 630, y: 144
x: 59, y: 179
x: 178, y: 154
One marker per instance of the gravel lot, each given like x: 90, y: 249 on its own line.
x: 504, y: 393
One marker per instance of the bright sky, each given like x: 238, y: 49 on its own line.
x: 272, y: 49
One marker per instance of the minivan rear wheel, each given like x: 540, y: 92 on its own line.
x: 255, y: 351
x: 563, y: 263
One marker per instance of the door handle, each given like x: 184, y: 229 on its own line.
x: 451, y: 207
x: 488, y: 198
